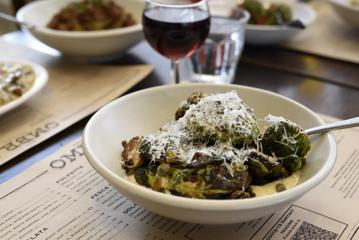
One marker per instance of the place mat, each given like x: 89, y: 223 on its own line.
x: 328, y: 36
x: 74, y: 91
x: 67, y: 199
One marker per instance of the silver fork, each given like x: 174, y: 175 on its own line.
x: 348, y: 123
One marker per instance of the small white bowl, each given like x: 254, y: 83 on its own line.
x: 270, y: 34
x: 81, y: 44
x: 41, y: 77
x: 144, y: 112
x: 347, y: 11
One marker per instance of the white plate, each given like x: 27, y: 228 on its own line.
x: 40, y: 81
x: 266, y: 34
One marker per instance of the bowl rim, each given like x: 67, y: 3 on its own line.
x: 206, y: 204
x: 162, y: 4
x: 302, y: 6
x: 75, y: 34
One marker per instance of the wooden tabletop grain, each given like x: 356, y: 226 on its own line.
x: 325, y: 85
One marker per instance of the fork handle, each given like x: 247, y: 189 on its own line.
x: 352, y: 122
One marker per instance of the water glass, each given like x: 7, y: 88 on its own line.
x: 216, y: 61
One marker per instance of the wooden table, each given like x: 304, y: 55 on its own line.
x: 327, y: 86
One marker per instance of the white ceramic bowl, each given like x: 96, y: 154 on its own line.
x: 81, y: 44
x: 347, y: 11
x: 41, y: 77
x: 267, y: 34
x: 145, y: 111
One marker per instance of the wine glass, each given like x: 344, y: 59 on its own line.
x: 175, y: 29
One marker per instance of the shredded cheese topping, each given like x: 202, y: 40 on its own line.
x: 221, y: 114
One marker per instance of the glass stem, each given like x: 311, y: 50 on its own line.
x: 175, y: 71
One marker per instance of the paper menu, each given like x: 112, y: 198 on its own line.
x: 62, y: 197
x: 74, y: 90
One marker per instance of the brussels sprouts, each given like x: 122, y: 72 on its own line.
x: 278, y: 14
x: 202, y: 136
x: 264, y: 170
x: 284, y: 11
x: 277, y: 172
x: 215, y: 150
x: 292, y: 164
x: 242, y: 194
x: 284, y: 138
x: 225, y: 119
x: 143, y: 177
x: 192, y: 190
x: 200, y: 160
x: 191, y: 100
x: 131, y: 156
x: 258, y: 171
x: 181, y: 111
x: 144, y: 150
x: 256, y: 10
x: 210, y: 181
x: 221, y: 177
x: 195, y: 97
x: 288, y: 142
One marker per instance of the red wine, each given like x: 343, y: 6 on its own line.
x: 175, y: 33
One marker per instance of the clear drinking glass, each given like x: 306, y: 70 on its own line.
x: 217, y: 60
x: 175, y: 29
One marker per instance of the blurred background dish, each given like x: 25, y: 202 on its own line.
x: 93, y: 44
x: 347, y: 10
x: 282, y: 20
x: 24, y: 79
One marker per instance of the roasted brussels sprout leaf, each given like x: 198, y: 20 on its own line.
x: 142, y: 176
x: 214, y: 150
x: 284, y: 139
x: 264, y: 169
x: 292, y: 164
x: 200, y: 160
x: 287, y: 141
x: 210, y: 181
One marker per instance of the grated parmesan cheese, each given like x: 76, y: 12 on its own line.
x: 218, y: 113
x: 222, y: 112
